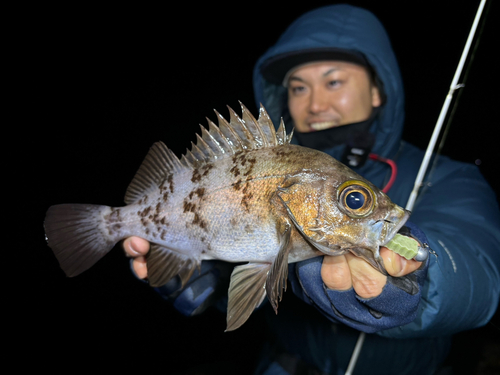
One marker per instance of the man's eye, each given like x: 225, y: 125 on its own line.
x: 334, y: 83
x: 297, y: 89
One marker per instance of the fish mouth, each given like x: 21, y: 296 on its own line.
x: 389, y: 226
x: 396, y: 227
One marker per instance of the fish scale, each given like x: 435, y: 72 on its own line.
x: 241, y: 194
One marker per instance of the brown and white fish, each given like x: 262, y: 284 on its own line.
x: 243, y: 193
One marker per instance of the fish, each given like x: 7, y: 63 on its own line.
x: 243, y: 193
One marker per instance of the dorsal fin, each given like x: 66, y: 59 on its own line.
x: 240, y: 133
x: 158, y: 164
x: 245, y: 132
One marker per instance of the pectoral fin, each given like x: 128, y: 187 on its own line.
x: 277, y: 278
x: 164, y: 264
x: 246, y: 292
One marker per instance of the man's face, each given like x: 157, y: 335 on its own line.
x: 326, y: 94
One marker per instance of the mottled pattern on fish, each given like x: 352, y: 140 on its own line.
x: 243, y: 193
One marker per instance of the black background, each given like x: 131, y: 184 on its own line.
x: 94, y: 87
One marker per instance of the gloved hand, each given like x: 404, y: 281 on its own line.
x: 396, y: 305
x: 205, y: 288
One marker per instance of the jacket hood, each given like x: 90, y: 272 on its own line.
x: 348, y: 28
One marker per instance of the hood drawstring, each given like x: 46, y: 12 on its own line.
x: 394, y: 170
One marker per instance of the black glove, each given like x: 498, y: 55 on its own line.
x: 205, y: 288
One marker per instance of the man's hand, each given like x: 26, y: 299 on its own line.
x: 137, y: 248
x: 346, y: 271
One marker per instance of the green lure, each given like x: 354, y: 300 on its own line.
x: 405, y: 246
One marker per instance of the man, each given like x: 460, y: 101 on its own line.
x: 334, y: 77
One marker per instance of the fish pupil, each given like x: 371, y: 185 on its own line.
x: 355, y: 200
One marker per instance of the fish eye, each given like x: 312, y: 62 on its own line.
x: 356, y: 198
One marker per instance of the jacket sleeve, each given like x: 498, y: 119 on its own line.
x: 459, y: 214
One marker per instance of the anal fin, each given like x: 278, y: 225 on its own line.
x: 246, y: 292
x: 164, y: 264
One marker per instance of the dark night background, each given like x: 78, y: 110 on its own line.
x: 95, y: 87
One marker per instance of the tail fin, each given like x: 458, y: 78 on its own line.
x: 74, y: 234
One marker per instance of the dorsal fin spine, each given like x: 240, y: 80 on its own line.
x: 289, y: 136
x: 189, y: 155
x: 211, y: 142
x: 204, y: 147
x: 239, y: 127
x: 259, y: 138
x: 281, y: 134
x: 215, y: 132
x: 186, y: 161
x: 197, y: 153
x: 267, y: 126
x: 229, y: 133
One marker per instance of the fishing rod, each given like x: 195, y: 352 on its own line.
x: 437, y: 129
x: 428, y: 154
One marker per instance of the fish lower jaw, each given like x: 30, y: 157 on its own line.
x: 396, y: 228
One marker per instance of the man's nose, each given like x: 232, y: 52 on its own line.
x: 318, y: 101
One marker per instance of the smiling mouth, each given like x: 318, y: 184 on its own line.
x: 322, y: 125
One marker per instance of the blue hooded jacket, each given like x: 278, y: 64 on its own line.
x: 457, y: 210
